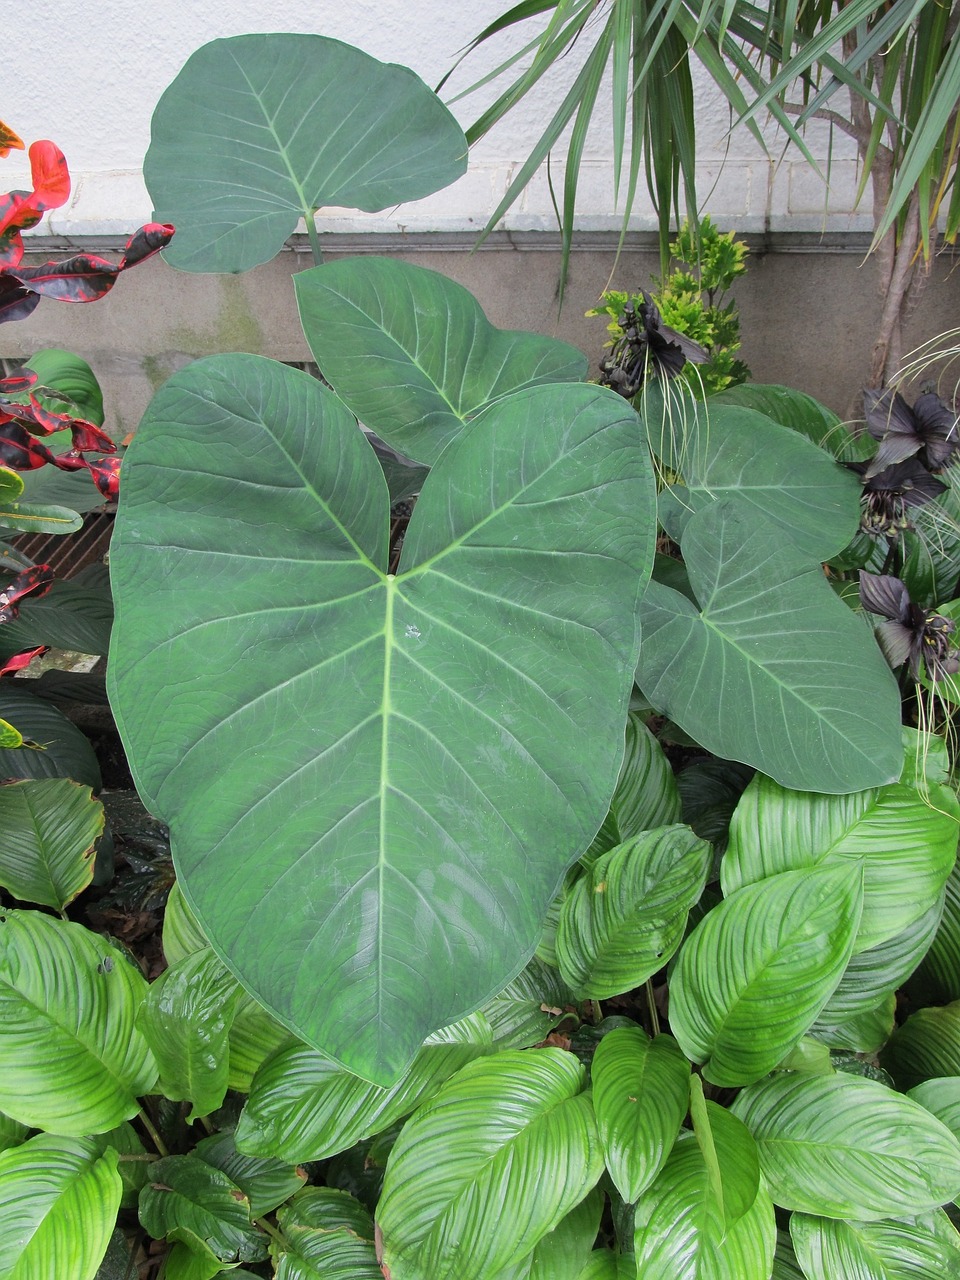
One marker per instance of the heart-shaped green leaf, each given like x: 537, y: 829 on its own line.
x: 898, y: 833
x: 186, y: 1019
x: 773, y: 669
x: 844, y: 1147
x: 624, y: 919
x: 770, y: 472
x: 259, y: 131
x: 373, y: 758
x: 71, y: 1058
x: 640, y: 1094
x: 58, y: 1206
x: 412, y: 354
x: 755, y: 973
x: 486, y: 1168
x: 50, y: 827
x: 303, y: 1106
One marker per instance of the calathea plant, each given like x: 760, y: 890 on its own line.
x: 391, y: 779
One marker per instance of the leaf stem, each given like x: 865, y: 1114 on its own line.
x: 652, y: 1009
x: 314, y: 235
x: 148, y: 1124
x: 271, y: 1230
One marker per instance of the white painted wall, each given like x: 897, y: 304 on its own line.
x: 87, y: 73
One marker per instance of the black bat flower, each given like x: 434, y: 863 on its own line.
x: 928, y: 430
x: 907, y: 632
x: 647, y: 343
x: 889, y: 494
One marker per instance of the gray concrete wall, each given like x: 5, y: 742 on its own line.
x: 808, y: 307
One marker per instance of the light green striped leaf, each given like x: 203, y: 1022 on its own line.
x: 926, y: 1248
x: 71, y: 1057
x: 254, y: 1034
x: 640, y: 1095
x: 304, y: 1106
x: 326, y: 1235
x: 863, y: 1033
x: 565, y: 1251
x: 181, y: 933
x: 528, y: 1008
x: 730, y: 1154
x: 937, y: 977
x: 898, y: 833
x: 941, y: 1097
x: 50, y: 827
x: 679, y: 1226
x: 625, y: 918
x: 646, y: 795
x: 845, y: 1147
x: 925, y: 1046
x: 754, y: 975
x: 490, y: 1165
x: 185, y: 1019
x: 59, y: 1199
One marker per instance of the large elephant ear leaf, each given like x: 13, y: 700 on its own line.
x: 371, y: 757
x: 772, y: 669
x: 413, y: 355
x: 259, y: 131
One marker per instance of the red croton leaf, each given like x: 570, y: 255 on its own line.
x: 19, y: 450
x: 9, y: 141
x: 17, y: 382
x: 35, y: 581
x: 40, y: 420
x: 50, y: 175
x: 86, y: 277
x: 21, y: 660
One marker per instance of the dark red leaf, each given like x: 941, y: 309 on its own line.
x: 106, y: 475
x: 35, y: 581
x: 9, y: 141
x: 16, y: 302
x: 19, y: 450
x: 21, y: 660
x: 17, y: 382
x: 143, y: 244
x: 43, y: 421
x: 18, y: 211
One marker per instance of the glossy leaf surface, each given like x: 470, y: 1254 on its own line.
x: 755, y: 973
x: 624, y: 919
x: 258, y: 131
x: 412, y: 354
x: 844, y: 1147
x: 265, y: 1182
x: 429, y: 732
x: 327, y: 1235
x: 772, y: 669
x: 529, y: 1007
x: 680, y: 1230
x: 899, y: 834
x: 640, y: 1095
x: 926, y: 1046
x: 50, y: 827
x: 58, y: 1206
x: 925, y: 1248
x: 488, y: 1167
x: 198, y: 1205
x: 646, y: 794
x: 303, y: 1106
x: 71, y: 1058
x: 186, y: 1018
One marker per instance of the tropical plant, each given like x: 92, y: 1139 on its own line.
x: 898, y: 70
x: 688, y: 300
x: 392, y: 773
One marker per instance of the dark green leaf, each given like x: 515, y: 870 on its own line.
x: 259, y: 131
x: 50, y: 827
x: 189, y: 1201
